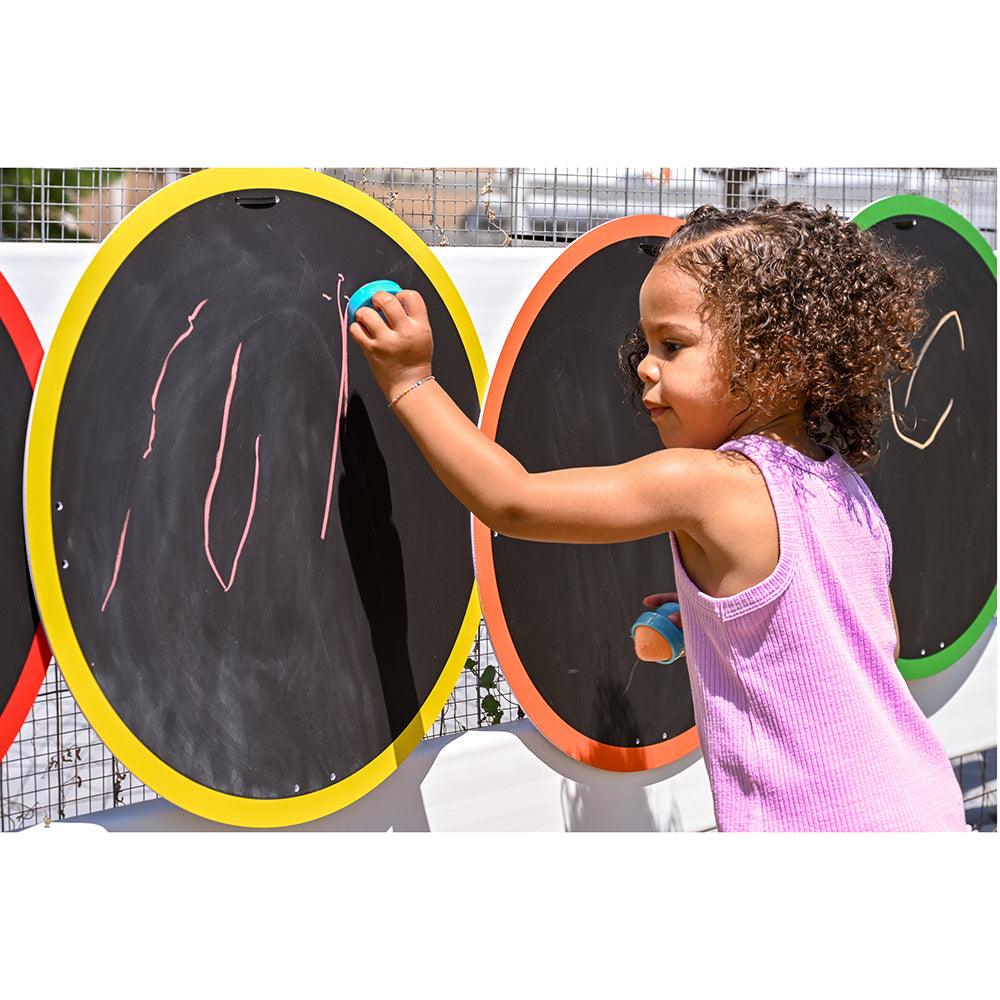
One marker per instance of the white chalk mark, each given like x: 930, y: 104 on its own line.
x: 163, y: 371
x: 215, y: 479
x: 920, y: 357
x: 118, y: 560
x: 341, y: 401
x: 630, y: 676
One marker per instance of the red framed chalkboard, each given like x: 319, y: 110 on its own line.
x: 24, y: 652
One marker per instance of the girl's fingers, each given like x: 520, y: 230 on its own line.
x: 389, y: 312
x: 405, y: 304
x: 413, y: 304
x: 385, y: 303
x: 655, y: 600
x: 368, y: 321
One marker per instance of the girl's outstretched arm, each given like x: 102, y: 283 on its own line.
x: 399, y: 348
x: 664, y: 491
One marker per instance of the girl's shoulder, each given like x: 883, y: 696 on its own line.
x: 706, y: 486
x: 703, y: 467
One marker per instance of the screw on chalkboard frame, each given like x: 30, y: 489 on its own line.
x: 257, y: 199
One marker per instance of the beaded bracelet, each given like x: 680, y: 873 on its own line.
x: 428, y: 378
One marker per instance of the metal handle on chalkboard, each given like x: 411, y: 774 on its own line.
x: 257, y: 200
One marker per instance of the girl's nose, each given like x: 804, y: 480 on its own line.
x: 646, y: 369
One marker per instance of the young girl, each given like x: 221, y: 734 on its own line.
x: 765, y: 340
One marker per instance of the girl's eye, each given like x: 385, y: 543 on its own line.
x: 670, y: 347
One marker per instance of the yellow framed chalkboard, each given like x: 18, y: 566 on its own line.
x: 258, y: 593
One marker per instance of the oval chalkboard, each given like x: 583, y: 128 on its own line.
x: 257, y: 590
x: 560, y: 616
x: 24, y: 652
x: 936, y: 479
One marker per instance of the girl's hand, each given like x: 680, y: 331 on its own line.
x: 655, y: 600
x: 398, y: 347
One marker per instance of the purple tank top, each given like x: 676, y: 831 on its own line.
x: 804, y: 719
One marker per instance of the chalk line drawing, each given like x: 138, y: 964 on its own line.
x: 951, y: 402
x: 152, y: 434
x: 118, y: 560
x: 163, y: 371
x: 215, y: 478
x: 630, y: 676
x: 341, y: 399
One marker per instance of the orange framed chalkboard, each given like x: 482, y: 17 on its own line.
x: 559, y: 616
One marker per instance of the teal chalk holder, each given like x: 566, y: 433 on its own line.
x: 658, y: 621
x: 363, y: 296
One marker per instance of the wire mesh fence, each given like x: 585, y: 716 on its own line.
x: 977, y: 774
x: 506, y: 206
x: 58, y: 767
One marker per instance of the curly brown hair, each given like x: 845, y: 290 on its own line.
x: 808, y: 305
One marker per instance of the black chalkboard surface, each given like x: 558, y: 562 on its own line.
x: 262, y: 575
x: 936, y: 479
x: 24, y: 655
x: 560, y: 615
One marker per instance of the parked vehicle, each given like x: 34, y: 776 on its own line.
x: 560, y: 203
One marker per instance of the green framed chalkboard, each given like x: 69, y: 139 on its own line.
x: 936, y: 479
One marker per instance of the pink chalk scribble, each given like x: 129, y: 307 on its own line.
x: 215, y: 479
x: 149, y: 447
x: 341, y: 301
x: 341, y: 400
x: 118, y: 560
x: 163, y: 371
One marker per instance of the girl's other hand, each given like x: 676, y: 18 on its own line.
x: 655, y: 600
x: 396, y: 338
